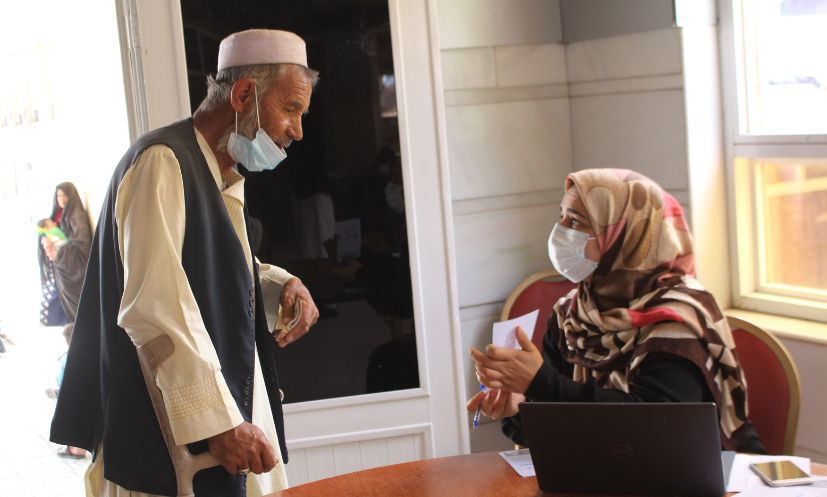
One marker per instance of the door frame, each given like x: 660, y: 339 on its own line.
x: 155, y: 80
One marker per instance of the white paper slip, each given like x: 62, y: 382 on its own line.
x: 520, y: 460
x: 742, y: 477
x: 504, y: 335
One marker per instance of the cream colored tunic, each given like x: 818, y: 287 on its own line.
x: 157, y: 299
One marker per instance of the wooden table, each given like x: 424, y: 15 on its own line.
x: 477, y: 475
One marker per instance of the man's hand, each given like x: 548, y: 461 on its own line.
x: 243, y: 447
x: 508, y: 369
x: 496, y: 404
x: 294, y: 289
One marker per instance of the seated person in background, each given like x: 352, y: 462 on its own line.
x: 50, y: 230
x: 638, y: 328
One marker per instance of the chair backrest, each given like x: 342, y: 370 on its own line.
x: 773, y: 386
x: 534, y: 293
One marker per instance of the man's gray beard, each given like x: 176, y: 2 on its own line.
x: 247, y: 127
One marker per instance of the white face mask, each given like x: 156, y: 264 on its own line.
x: 261, y: 154
x: 566, y: 249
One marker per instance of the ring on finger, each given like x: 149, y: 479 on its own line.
x: 243, y: 471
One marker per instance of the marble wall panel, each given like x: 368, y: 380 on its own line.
x: 479, y: 23
x: 468, y: 68
x: 530, y: 65
x: 645, y: 132
x: 809, y: 360
x: 591, y: 19
x: 656, y: 53
x: 475, y: 333
x: 500, y: 95
x: 508, y: 148
x: 495, y: 251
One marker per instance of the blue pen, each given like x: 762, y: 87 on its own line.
x: 479, y: 409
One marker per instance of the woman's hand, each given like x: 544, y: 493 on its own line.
x: 496, y: 404
x: 49, y: 248
x: 508, y: 369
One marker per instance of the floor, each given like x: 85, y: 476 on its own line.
x: 29, y: 465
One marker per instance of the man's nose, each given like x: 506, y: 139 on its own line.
x: 295, y: 131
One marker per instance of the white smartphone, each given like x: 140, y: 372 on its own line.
x: 781, y: 473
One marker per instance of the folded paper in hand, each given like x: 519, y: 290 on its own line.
x: 505, y: 331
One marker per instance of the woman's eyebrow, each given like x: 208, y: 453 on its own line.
x: 575, y: 212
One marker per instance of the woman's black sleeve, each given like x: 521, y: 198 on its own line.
x: 670, y: 379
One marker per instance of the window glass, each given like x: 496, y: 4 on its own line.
x: 333, y: 212
x: 785, y: 66
x: 794, y: 198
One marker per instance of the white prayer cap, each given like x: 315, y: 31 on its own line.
x: 261, y: 46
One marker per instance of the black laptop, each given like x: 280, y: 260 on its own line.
x: 644, y: 449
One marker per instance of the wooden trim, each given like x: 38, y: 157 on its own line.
x: 548, y: 273
x: 790, y: 372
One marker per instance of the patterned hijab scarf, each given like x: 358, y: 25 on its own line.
x: 643, y: 299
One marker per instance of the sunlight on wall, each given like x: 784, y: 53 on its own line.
x: 62, y: 118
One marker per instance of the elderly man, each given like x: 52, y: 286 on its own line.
x: 172, y: 256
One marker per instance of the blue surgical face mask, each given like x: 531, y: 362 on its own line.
x: 261, y: 154
x: 567, y: 251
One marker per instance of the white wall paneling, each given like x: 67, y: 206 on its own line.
x: 468, y: 68
x: 320, y: 463
x: 656, y: 53
x: 475, y: 333
x: 497, y: 250
x: 499, y: 95
x: 809, y: 359
x: 480, y: 311
x: 478, y: 23
x: 589, y: 19
x: 530, y: 65
x: 645, y: 132
x: 503, y: 202
x: 507, y: 148
x: 627, y: 85
x: 316, y: 463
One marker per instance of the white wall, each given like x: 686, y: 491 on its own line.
x: 509, y: 150
x: 809, y: 360
x: 592, y: 19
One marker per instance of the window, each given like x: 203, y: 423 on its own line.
x: 793, y: 228
x: 785, y: 71
x: 775, y: 100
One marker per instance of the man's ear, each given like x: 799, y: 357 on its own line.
x: 242, y: 94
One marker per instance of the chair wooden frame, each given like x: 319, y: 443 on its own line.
x: 548, y: 273
x: 790, y: 372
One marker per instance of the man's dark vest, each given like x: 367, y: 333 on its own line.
x: 103, y: 397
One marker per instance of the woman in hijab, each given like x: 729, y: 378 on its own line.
x: 68, y: 263
x: 638, y: 328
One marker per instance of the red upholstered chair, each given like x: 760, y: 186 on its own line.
x: 773, y: 386
x: 535, y: 293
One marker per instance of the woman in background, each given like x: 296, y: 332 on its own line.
x: 66, y: 263
x: 638, y: 328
